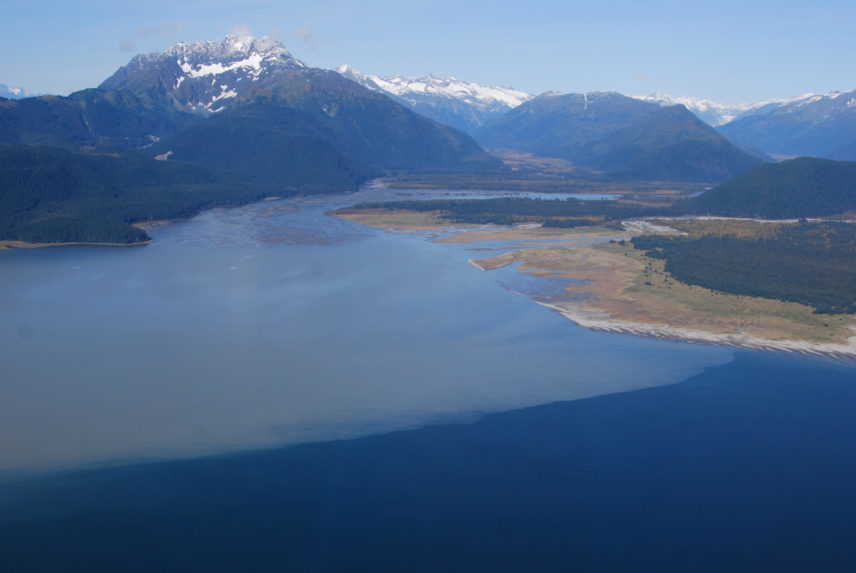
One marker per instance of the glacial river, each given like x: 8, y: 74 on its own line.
x: 195, y: 393
x: 275, y: 324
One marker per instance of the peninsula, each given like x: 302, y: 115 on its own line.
x: 624, y: 284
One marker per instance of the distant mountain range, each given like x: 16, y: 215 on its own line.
x: 819, y: 125
x: 623, y: 136
x: 157, y: 96
x: 816, y: 125
x: 709, y: 111
x: 204, y: 78
x: 240, y: 114
x: 255, y: 89
x: 630, y: 137
x: 822, y: 125
x: 463, y: 105
x: 245, y: 114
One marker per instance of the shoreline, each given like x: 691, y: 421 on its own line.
x: 621, y: 277
x: 142, y: 225
x: 476, y: 265
x: 10, y: 245
x: 588, y: 319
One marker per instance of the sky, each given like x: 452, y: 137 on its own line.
x: 729, y: 51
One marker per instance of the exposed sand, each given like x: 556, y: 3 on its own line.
x: 593, y: 321
x: 621, y: 290
x: 394, y: 219
x: 403, y: 220
x: 533, y: 233
x: 624, y: 291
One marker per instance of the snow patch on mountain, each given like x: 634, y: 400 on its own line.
x: 440, y: 87
x: 231, y: 53
x: 203, y: 76
x: 10, y: 92
x: 225, y: 93
x: 717, y: 114
x: 712, y: 112
x: 252, y: 64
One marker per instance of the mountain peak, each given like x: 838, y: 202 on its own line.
x: 203, y: 77
x: 231, y: 44
x: 622, y: 136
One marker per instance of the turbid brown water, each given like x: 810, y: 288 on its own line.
x: 272, y: 324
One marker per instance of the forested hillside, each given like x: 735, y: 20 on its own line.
x: 809, y: 263
x: 804, y: 187
x: 53, y: 195
x: 622, y: 136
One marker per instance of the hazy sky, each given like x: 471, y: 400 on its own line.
x: 726, y: 50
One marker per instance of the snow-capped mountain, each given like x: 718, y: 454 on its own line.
x: 9, y: 92
x: 475, y: 94
x: 709, y: 111
x: 718, y: 114
x: 831, y: 102
x: 820, y: 125
x: 204, y: 76
x: 283, y: 115
x: 461, y: 104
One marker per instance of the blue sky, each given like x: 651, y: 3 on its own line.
x: 728, y: 51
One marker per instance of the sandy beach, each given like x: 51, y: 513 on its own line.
x: 602, y: 322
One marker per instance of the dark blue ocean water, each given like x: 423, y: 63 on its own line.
x: 237, y: 350
x: 748, y: 466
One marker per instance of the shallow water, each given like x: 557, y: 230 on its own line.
x: 275, y: 324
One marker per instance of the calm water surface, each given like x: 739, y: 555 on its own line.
x: 529, y: 445
x: 275, y: 324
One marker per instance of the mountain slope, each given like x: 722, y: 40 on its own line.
x: 370, y: 131
x: 463, y: 105
x: 804, y: 187
x: 563, y: 125
x: 672, y: 143
x: 620, y: 135
x: 111, y: 120
x: 54, y: 195
x: 813, y: 125
x: 265, y: 144
x: 201, y: 125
